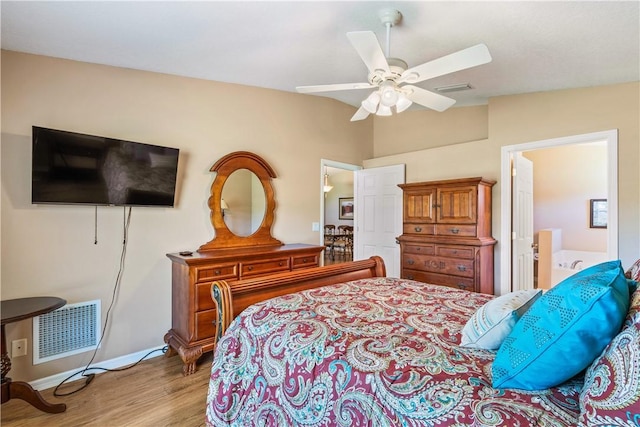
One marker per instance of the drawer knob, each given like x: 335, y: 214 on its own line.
x: 280, y: 263
x: 217, y: 272
x: 455, y: 231
x: 410, y: 261
x: 418, y: 229
x: 304, y: 260
x: 462, y: 268
x: 410, y: 277
x: 461, y: 285
x: 250, y: 268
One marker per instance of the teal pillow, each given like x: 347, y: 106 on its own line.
x: 564, y: 330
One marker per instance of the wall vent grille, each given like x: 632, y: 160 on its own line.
x: 72, y: 329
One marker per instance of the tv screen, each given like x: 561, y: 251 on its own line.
x: 74, y: 168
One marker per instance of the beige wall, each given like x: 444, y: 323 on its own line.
x: 564, y: 180
x: 49, y: 250
x: 423, y: 129
x: 526, y: 118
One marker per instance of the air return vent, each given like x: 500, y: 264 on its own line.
x: 72, y: 329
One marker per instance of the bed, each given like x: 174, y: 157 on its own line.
x: 380, y: 351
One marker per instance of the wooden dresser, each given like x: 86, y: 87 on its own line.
x: 193, y: 314
x: 446, y: 236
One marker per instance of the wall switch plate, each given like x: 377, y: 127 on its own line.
x: 315, y: 226
x: 19, y: 347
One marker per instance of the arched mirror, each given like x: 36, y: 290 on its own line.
x: 242, y: 202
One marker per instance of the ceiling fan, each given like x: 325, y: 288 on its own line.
x: 392, y: 77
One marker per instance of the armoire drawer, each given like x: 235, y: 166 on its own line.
x: 454, y: 266
x: 455, y: 251
x: 456, y: 230
x: 419, y: 228
x: 439, y: 279
x: 254, y: 268
x: 216, y: 272
x: 421, y: 249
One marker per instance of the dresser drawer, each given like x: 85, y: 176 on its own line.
x: 419, y: 228
x: 305, y: 261
x: 203, y: 297
x: 439, y: 279
x: 425, y: 249
x: 204, y: 327
x: 216, y: 272
x: 455, y: 251
x: 456, y: 230
x: 254, y: 268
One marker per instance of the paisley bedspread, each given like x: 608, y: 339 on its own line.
x: 372, y: 352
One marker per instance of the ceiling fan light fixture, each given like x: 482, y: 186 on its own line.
x: 383, y: 110
x: 403, y: 103
x: 388, y: 94
x: 371, y: 103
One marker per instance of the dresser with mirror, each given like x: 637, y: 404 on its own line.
x: 242, y: 206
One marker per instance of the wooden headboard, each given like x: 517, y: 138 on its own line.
x: 231, y: 298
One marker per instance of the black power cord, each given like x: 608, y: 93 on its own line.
x: 84, y: 372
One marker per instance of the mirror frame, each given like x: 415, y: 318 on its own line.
x: 224, y: 167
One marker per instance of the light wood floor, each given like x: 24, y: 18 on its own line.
x: 153, y: 393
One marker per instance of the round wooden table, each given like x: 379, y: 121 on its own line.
x: 11, y: 311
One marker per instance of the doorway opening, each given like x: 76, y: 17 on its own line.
x: 339, y: 239
x: 508, y: 269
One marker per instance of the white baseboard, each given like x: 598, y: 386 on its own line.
x: 118, y: 362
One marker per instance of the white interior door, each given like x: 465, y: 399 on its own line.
x: 522, y: 215
x: 378, y: 216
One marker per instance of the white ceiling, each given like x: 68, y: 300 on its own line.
x: 536, y: 46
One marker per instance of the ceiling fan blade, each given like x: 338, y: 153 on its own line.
x: 461, y: 60
x: 428, y: 99
x: 334, y: 87
x: 361, y: 114
x: 369, y: 50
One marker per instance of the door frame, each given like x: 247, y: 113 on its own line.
x: 507, y: 151
x: 337, y: 165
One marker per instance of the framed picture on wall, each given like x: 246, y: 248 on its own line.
x: 345, y: 208
x: 598, y: 214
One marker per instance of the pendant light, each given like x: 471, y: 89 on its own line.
x: 327, y: 187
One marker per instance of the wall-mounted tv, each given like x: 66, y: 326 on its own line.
x: 74, y: 168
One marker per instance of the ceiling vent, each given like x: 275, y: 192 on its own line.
x: 454, y: 88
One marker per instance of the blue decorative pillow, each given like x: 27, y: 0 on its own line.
x: 564, y: 330
x: 491, y: 323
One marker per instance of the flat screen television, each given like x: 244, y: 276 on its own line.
x: 74, y: 168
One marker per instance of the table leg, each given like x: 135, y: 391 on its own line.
x: 22, y: 390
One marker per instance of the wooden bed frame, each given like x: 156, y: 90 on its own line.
x: 231, y: 298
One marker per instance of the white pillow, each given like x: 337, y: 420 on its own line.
x: 492, y: 322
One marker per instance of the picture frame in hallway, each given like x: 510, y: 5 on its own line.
x: 598, y: 213
x: 345, y: 208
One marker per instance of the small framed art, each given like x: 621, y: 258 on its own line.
x: 345, y: 206
x: 598, y: 213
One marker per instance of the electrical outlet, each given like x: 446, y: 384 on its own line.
x: 315, y: 226
x: 19, y: 347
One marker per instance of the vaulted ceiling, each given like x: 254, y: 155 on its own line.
x: 535, y: 46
